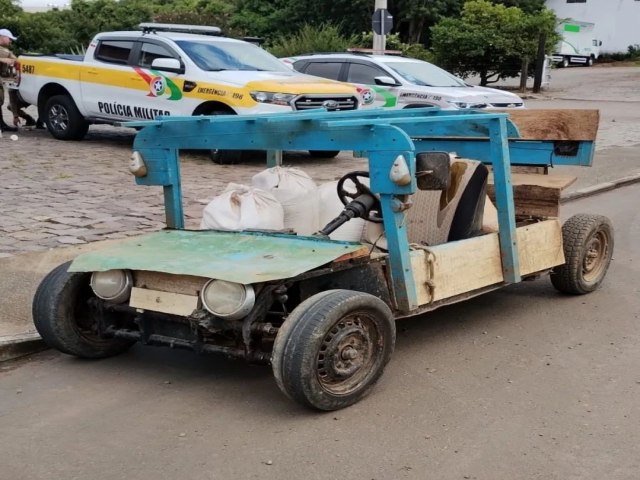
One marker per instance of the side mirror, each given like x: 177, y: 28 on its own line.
x: 433, y: 170
x: 168, y: 65
x: 386, y: 81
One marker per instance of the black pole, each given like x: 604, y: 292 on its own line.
x: 537, y: 81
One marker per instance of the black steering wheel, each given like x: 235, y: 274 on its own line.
x: 347, y: 196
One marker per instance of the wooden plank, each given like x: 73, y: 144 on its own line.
x: 166, y: 282
x: 556, y: 124
x: 535, y: 195
x: 532, y: 200
x: 540, y: 246
x: 165, y: 302
x: 467, y: 265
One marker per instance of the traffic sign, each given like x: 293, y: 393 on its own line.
x: 382, y: 21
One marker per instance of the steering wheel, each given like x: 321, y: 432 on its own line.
x: 347, y: 196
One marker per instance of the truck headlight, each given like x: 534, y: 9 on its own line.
x: 114, y: 286
x: 465, y: 105
x: 228, y: 300
x: 273, y: 98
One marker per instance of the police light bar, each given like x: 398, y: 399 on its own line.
x: 178, y: 28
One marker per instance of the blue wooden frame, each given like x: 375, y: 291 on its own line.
x: 381, y: 136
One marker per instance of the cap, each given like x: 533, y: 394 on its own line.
x: 6, y: 33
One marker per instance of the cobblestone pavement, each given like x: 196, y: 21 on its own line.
x: 58, y: 193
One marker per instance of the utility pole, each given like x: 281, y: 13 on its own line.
x: 379, y: 41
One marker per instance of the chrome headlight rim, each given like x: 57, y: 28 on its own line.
x: 275, y: 98
x: 121, y: 295
x: 245, y: 306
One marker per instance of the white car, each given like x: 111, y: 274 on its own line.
x: 400, y: 82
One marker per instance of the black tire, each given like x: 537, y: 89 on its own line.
x: 333, y: 348
x: 63, y: 119
x: 63, y: 318
x: 588, y: 247
x: 589, y: 62
x: 324, y: 153
x: 565, y: 62
x: 225, y: 157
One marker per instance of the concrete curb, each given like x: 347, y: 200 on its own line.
x: 15, y: 346
x: 600, y: 188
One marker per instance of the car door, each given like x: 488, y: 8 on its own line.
x: 160, y: 91
x: 363, y: 74
x: 105, y: 81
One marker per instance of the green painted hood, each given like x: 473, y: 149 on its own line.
x: 242, y: 257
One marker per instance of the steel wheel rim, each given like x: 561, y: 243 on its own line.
x: 595, y: 258
x: 59, y: 118
x: 348, y: 354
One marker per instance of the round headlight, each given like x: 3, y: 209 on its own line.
x: 113, y: 285
x: 228, y: 300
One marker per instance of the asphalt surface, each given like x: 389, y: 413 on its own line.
x: 522, y: 383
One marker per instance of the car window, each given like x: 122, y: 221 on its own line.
x: 361, y: 73
x: 113, y: 51
x: 424, y: 74
x: 330, y: 70
x: 150, y: 51
x: 216, y: 56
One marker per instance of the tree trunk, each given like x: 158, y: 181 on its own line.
x: 524, y: 74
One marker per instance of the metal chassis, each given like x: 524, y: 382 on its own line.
x: 381, y: 136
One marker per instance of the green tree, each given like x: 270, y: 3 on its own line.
x: 414, y: 17
x: 490, y: 40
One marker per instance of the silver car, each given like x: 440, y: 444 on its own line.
x: 399, y: 82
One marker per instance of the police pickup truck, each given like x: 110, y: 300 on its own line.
x: 168, y: 70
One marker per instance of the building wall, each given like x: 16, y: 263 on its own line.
x: 617, y: 22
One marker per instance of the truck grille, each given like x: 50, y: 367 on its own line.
x: 307, y: 102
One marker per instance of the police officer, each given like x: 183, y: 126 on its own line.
x: 16, y: 104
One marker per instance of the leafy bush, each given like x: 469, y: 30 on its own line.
x: 324, y: 38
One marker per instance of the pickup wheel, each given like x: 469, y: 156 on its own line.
x: 64, y: 319
x: 324, y: 153
x: 333, y: 348
x: 589, y: 62
x: 64, y: 120
x: 588, y: 247
x: 565, y: 62
x: 225, y: 157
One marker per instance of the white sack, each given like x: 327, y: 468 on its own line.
x: 240, y: 208
x: 296, y: 192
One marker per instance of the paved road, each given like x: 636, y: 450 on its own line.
x: 522, y: 383
x: 67, y: 193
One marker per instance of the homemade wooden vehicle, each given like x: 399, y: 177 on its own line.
x: 323, y: 312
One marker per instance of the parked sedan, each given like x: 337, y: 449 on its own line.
x: 399, y: 82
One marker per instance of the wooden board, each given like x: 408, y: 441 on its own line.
x: 535, y: 195
x: 475, y: 263
x: 165, y: 302
x: 556, y: 124
x: 166, y: 282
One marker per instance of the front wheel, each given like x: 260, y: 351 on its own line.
x: 333, y: 348
x: 64, y: 319
x: 565, y: 62
x: 63, y: 119
x: 588, y: 247
x: 589, y: 62
x: 324, y: 153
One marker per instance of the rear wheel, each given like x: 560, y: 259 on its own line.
x: 64, y: 319
x: 333, y: 348
x: 63, y: 119
x: 565, y: 62
x: 225, y: 157
x: 324, y: 153
x: 589, y: 62
x: 588, y: 247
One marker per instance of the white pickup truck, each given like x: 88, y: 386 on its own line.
x: 167, y: 70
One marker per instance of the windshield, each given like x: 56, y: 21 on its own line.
x: 218, y: 56
x: 424, y: 74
